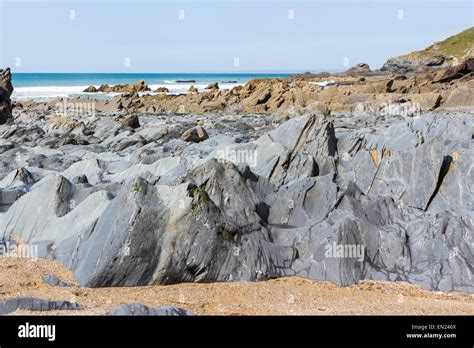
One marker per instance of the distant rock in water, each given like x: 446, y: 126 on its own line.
x: 138, y: 86
x: 6, y: 90
x: 360, y: 68
x: 213, y: 86
x: 91, y: 89
x: 185, y: 81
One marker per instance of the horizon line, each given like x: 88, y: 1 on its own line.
x: 187, y: 72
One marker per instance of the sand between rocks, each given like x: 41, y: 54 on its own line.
x: 21, y: 277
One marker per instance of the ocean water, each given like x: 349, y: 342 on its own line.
x: 43, y: 86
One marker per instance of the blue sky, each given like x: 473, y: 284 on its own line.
x: 219, y: 36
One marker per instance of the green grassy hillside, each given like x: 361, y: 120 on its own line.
x: 459, y: 46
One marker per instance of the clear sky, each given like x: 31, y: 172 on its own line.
x: 219, y: 36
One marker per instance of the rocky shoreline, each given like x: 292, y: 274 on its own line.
x: 341, y: 178
x: 443, y: 90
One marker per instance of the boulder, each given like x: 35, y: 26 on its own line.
x: 131, y: 121
x: 455, y: 72
x: 92, y: 89
x: 162, y: 90
x: 195, y: 134
x: 460, y: 98
x: 53, y: 280
x: 426, y: 101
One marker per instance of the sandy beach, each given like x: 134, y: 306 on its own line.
x: 284, y: 296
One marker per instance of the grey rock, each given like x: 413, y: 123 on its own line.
x: 293, y: 167
x: 137, y: 309
x: 251, y: 202
x: 36, y: 304
x: 360, y: 68
x: 131, y: 121
x: 53, y: 280
x: 317, y: 137
x: 404, y: 65
x: 410, y: 176
x: 195, y: 134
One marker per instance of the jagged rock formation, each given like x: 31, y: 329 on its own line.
x: 360, y: 68
x: 375, y: 92
x: 6, y: 90
x: 138, y: 86
x: 326, y: 198
x: 404, y: 65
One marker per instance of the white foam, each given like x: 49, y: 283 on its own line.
x: 323, y: 83
x: 46, y: 92
x: 180, y: 88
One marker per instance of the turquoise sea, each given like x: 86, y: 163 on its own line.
x: 52, y: 85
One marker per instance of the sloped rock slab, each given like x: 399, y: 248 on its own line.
x: 36, y: 304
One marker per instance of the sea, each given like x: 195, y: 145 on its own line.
x: 44, y: 86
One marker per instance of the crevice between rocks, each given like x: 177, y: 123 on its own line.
x: 447, y: 160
